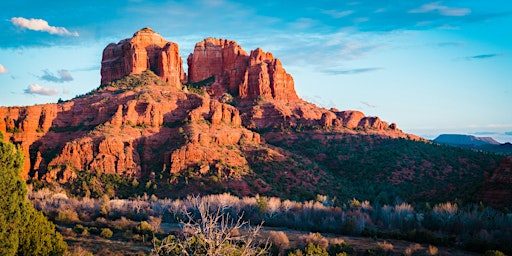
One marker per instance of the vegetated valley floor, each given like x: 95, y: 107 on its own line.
x: 101, y: 246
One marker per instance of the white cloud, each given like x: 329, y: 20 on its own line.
x: 38, y: 89
x: 41, y: 25
x: 443, y: 10
x: 3, y: 70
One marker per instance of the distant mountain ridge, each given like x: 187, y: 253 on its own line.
x: 487, y: 144
x: 462, y: 139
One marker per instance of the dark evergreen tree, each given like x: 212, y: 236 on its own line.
x: 23, y: 230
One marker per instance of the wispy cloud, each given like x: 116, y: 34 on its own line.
x: 40, y: 90
x: 368, y: 104
x: 303, y: 23
x: 351, y: 71
x: 450, y: 44
x: 484, y: 56
x: 61, y: 77
x: 3, y: 70
x: 338, y: 14
x: 41, y: 25
x: 441, y: 9
x: 485, y: 133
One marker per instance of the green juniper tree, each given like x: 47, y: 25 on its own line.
x: 23, y: 230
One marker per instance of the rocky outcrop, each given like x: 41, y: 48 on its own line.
x: 303, y: 115
x: 146, y: 50
x: 249, y: 76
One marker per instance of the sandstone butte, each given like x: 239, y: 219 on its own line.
x: 135, y: 130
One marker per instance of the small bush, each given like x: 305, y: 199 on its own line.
x: 106, y: 233
x: 340, y: 249
x: 279, y: 239
x: 385, y: 246
x: 67, y: 216
x: 412, y: 249
x: 432, y: 250
x: 314, y: 238
x: 494, y: 253
x: 144, y: 228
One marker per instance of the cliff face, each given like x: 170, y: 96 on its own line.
x: 146, y: 50
x: 249, y: 76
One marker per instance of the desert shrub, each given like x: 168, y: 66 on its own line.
x: 413, y: 249
x: 310, y: 250
x: 78, y: 251
x: 494, y: 253
x: 432, y: 250
x: 66, y: 231
x: 155, y: 222
x: 338, y: 247
x: 144, y: 228
x: 314, y: 238
x: 385, y: 246
x: 279, y: 241
x: 123, y: 224
x: 106, y: 233
x: 67, y: 216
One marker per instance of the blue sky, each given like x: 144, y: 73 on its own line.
x: 430, y: 66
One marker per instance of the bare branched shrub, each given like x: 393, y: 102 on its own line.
x: 314, y: 238
x: 212, y: 233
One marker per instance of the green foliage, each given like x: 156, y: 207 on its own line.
x: 494, y: 253
x: 372, y: 167
x: 147, y: 78
x: 23, y: 230
x: 310, y: 250
x: 340, y: 249
x: 106, y: 233
x: 198, y: 87
x: 97, y: 184
x: 144, y: 228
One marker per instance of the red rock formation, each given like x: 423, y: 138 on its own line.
x: 146, y: 50
x: 224, y: 59
x: 249, y: 76
x: 132, y: 131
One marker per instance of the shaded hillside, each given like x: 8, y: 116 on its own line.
x: 384, y: 169
x: 236, y: 125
